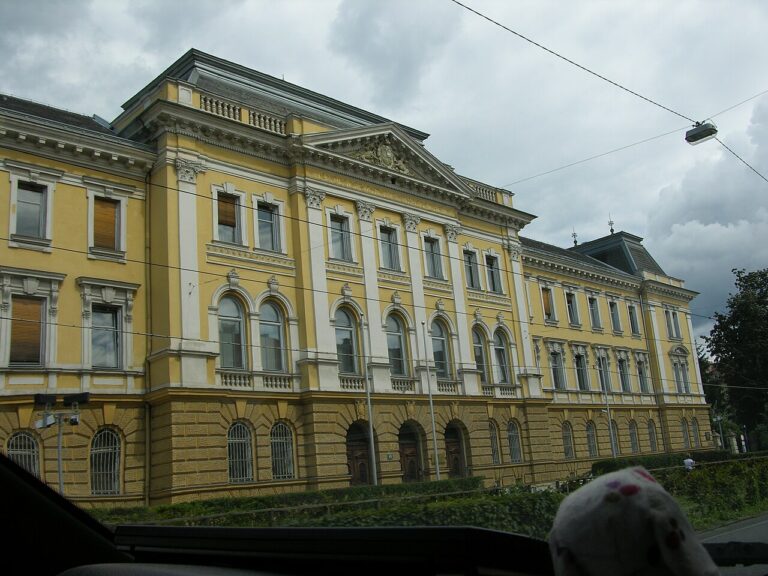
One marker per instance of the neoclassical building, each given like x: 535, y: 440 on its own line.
x: 247, y: 277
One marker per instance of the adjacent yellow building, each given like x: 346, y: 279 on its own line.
x: 234, y: 261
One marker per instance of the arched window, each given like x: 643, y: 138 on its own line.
x: 695, y: 433
x: 515, y: 446
x: 23, y: 450
x: 652, y: 436
x: 346, y: 342
x: 281, y: 440
x: 568, y: 449
x: 685, y: 432
x: 231, y: 334
x: 271, y: 334
x: 634, y: 440
x: 240, y: 453
x: 493, y: 432
x: 592, y: 440
x: 615, y: 437
x: 398, y: 364
x: 478, y: 344
x: 502, y: 373
x: 105, y: 463
x: 440, y: 350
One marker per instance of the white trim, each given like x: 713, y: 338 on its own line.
x: 431, y: 235
x: 491, y: 252
x: 468, y: 247
x: 41, y: 177
x: 387, y: 223
x: 119, y: 254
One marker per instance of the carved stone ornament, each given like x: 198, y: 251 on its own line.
x: 478, y: 315
x: 382, y: 155
x: 273, y: 285
x: 410, y: 409
x: 396, y: 299
x: 233, y: 278
x: 455, y: 410
x: 314, y: 197
x: 411, y: 221
x: 364, y: 210
x: 361, y: 410
x: 452, y: 232
x: 440, y: 305
x: 187, y: 171
x: 346, y: 292
x: 500, y: 319
x: 513, y: 247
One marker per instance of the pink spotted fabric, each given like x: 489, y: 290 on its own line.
x: 625, y: 523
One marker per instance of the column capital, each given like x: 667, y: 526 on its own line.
x: 314, y: 197
x: 411, y: 221
x: 187, y: 170
x: 452, y: 232
x: 364, y: 210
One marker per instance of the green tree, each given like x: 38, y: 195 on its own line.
x: 738, y: 345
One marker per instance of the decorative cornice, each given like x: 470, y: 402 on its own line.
x: 364, y: 210
x: 537, y: 261
x: 655, y: 287
x: 513, y: 247
x: 411, y: 221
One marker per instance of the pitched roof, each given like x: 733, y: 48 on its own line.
x: 623, y: 251
x: 29, y: 108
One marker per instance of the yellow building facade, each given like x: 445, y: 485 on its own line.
x: 234, y: 262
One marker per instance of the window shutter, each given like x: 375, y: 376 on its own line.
x: 26, y: 330
x: 227, y: 210
x: 105, y: 223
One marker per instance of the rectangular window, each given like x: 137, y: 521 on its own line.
x: 558, y: 377
x: 573, y: 309
x: 27, y: 329
x: 229, y: 218
x: 390, y: 255
x: 341, y: 245
x: 30, y: 210
x: 615, y: 319
x: 684, y: 378
x: 549, y: 306
x: 105, y: 337
x: 269, y: 227
x: 633, y: 323
x: 603, y: 374
x: 581, y: 372
x: 678, y: 378
x: 434, y: 263
x: 642, y: 376
x: 494, y: 279
x: 624, y: 375
x: 675, y: 325
x: 594, y: 312
x: 470, y: 269
x: 106, y: 223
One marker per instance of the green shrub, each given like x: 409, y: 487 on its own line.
x: 654, y: 461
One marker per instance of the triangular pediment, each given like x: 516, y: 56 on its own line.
x: 387, y: 147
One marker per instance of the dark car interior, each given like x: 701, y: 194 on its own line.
x: 46, y: 534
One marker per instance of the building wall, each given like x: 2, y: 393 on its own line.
x: 174, y: 402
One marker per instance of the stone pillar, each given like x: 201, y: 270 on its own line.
x: 411, y: 223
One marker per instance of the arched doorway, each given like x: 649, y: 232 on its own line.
x: 358, y: 455
x: 409, y: 441
x: 454, y: 451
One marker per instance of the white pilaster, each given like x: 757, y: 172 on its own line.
x: 465, y: 356
x: 411, y: 223
x: 657, y: 345
x: 193, y: 369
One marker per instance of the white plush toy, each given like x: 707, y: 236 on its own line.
x: 624, y: 523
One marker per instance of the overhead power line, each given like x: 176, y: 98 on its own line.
x: 584, y: 68
x: 747, y: 164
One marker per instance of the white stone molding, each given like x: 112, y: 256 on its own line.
x: 314, y: 198
x: 411, y: 221
x: 187, y: 170
x: 452, y: 232
x: 364, y: 210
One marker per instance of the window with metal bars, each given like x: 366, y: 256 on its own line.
x: 592, y: 440
x: 513, y: 438
x: 240, y: 453
x: 281, y: 440
x: 615, y: 437
x: 568, y: 449
x: 652, y: 436
x: 685, y: 433
x: 634, y: 440
x: 24, y: 451
x: 27, y: 331
x: 695, y: 433
x: 105, y: 463
x: 493, y: 432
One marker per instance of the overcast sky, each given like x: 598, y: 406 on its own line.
x: 498, y: 109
